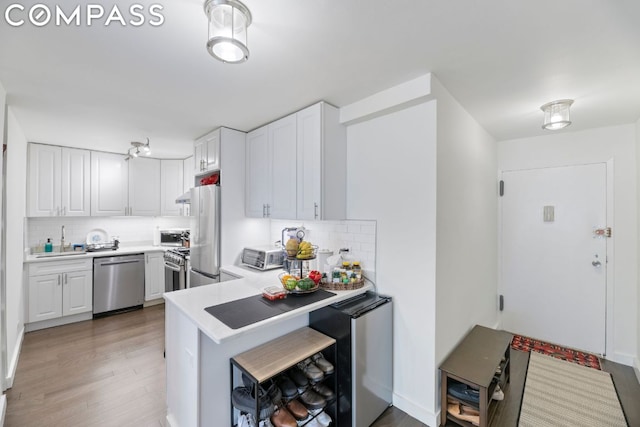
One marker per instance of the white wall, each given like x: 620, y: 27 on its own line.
x: 593, y: 146
x: 637, y: 359
x: 391, y: 178
x: 466, y: 242
x: 16, y: 203
x: 3, y: 332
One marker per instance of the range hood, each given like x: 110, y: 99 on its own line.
x: 185, y: 198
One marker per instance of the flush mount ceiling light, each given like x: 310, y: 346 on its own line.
x: 228, y: 22
x: 138, y: 148
x: 556, y: 114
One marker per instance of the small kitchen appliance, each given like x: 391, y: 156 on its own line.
x: 262, y: 257
x: 172, y: 237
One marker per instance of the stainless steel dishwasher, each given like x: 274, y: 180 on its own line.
x: 118, y: 283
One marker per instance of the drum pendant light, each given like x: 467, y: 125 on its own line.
x: 556, y: 114
x: 228, y: 22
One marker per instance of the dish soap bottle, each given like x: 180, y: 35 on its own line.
x: 48, y: 247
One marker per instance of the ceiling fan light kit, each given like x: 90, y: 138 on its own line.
x: 557, y: 114
x: 228, y: 23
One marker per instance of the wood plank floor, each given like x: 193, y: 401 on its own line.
x: 111, y: 372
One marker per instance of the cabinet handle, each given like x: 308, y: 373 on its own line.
x: 264, y: 210
x: 315, y: 211
x: 59, y: 279
x: 65, y: 278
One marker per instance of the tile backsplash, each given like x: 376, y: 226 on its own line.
x: 130, y: 230
x: 357, y: 236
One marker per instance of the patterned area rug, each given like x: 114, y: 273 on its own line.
x: 557, y: 393
x: 581, y: 358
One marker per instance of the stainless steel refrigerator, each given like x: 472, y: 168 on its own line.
x: 205, y: 235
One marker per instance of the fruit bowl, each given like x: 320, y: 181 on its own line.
x: 295, y: 285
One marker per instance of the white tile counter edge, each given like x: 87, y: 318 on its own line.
x: 126, y: 250
x: 192, y: 302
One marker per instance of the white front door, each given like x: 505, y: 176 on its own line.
x: 553, y: 259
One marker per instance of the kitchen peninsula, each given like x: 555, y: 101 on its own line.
x: 199, y: 346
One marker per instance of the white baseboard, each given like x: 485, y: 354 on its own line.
x: 625, y: 359
x: 64, y: 320
x: 13, y: 364
x: 153, y: 302
x: 415, y: 410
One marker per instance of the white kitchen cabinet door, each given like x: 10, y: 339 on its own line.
x: 282, y: 141
x: 206, y: 153
x: 258, y: 173
x: 309, y: 153
x: 76, y: 182
x: 322, y: 164
x: 45, y: 164
x: 172, y: 186
x: 45, y: 297
x: 144, y: 187
x: 77, y: 292
x: 109, y: 184
x: 153, y: 276
x: 189, y: 166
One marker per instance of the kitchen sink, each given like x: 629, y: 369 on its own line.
x: 60, y: 254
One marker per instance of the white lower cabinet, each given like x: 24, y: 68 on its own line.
x: 58, y: 289
x: 153, y: 275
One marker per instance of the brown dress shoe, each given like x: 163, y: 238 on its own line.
x: 297, y: 409
x: 282, y: 418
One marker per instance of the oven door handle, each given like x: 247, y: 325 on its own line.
x: 172, y: 266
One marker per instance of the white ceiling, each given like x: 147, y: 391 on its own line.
x: 101, y: 87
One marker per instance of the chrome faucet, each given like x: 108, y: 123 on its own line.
x: 62, y: 240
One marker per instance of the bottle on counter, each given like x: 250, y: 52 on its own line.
x: 357, y: 270
x: 48, y: 247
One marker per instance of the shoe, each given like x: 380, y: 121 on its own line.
x: 498, y: 394
x: 464, y: 392
x: 267, y: 388
x: 282, y: 418
x: 455, y: 410
x: 287, y: 387
x: 310, y: 370
x: 243, y: 400
x: 313, y: 400
x: 322, y: 363
x: 324, y: 419
x: 465, y: 409
x: 298, y: 377
x: 297, y: 409
x: 250, y: 421
x: 324, y: 391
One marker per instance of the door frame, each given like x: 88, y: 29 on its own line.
x: 609, y: 278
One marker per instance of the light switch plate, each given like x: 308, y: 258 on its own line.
x: 548, y: 214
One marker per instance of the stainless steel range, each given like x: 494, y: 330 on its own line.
x: 176, y: 268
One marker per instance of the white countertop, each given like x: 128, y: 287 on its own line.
x: 192, y: 302
x: 123, y: 250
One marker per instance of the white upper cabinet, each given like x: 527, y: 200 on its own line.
x: 109, y: 184
x: 258, y: 173
x: 206, y: 153
x: 144, y: 187
x: 59, y: 181
x: 188, y: 166
x: 282, y: 139
x: 172, y: 186
x: 296, y: 167
x: 322, y: 164
x: 271, y: 170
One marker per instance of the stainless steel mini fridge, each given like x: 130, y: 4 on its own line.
x: 362, y: 327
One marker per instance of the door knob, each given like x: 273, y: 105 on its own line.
x: 596, y: 263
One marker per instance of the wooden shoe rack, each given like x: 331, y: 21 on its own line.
x: 473, y: 362
x: 266, y: 361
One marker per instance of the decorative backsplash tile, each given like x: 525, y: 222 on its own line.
x: 129, y: 230
x: 357, y: 236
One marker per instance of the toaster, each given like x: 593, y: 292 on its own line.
x: 263, y: 257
